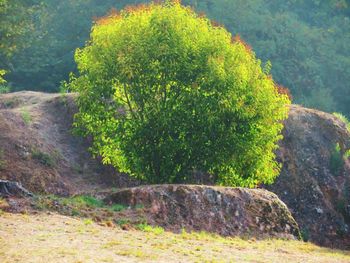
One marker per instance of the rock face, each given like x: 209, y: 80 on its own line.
x: 226, y: 211
x: 314, y: 186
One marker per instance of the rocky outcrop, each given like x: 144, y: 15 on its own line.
x: 226, y: 211
x: 314, y: 186
x: 38, y: 150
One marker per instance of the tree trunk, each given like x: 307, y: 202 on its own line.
x: 8, y: 188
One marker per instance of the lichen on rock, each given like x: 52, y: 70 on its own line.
x: 222, y: 210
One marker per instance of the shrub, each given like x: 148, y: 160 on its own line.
x: 43, y: 158
x: 342, y: 118
x: 336, y: 160
x: 165, y: 93
x: 2, y: 73
x: 3, y: 87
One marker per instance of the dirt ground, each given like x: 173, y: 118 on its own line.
x: 49, y: 237
x: 39, y: 149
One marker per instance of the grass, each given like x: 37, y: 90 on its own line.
x: 43, y: 158
x: 82, y: 201
x: 117, y: 207
x: 150, y: 229
x: 81, y: 205
x: 343, y: 119
x: 2, y: 159
x: 4, y: 89
x: 27, y: 118
x: 336, y: 162
x: 55, y: 238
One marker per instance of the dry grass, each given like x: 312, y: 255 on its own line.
x: 55, y: 238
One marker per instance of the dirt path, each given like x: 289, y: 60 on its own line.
x: 55, y: 238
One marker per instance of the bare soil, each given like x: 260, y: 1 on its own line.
x: 39, y: 150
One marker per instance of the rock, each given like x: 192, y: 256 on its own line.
x: 316, y: 195
x: 10, y: 189
x: 225, y: 211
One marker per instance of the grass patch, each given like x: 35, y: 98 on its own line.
x: 123, y: 222
x: 117, y: 207
x: 2, y: 159
x: 336, y: 162
x: 43, y: 158
x: 60, y: 236
x: 347, y: 154
x: 150, y: 229
x: 4, y: 89
x: 83, y: 201
x: 343, y: 119
x: 81, y: 205
x: 305, y: 234
x: 27, y: 118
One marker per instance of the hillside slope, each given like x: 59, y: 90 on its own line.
x: 38, y: 149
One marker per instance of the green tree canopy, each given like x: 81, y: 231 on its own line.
x: 15, y: 22
x: 164, y: 93
x: 305, y: 40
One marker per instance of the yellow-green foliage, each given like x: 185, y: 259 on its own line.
x: 27, y: 118
x: 164, y: 93
x: 2, y: 73
x: 3, y: 87
x: 147, y: 228
x: 343, y: 119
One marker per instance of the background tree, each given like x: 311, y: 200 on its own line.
x: 164, y: 94
x: 15, y: 22
x: 307, y: 42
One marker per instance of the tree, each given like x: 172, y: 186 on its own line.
x: 59, y: 28
x: 306, y: 41
x: 164, y: 93
x: 14, y: 24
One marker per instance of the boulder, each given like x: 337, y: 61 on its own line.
x: 316, y: 190
x: 225, y: 211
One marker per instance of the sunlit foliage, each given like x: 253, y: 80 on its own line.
x: 307, y: 42
x: 164, y: 93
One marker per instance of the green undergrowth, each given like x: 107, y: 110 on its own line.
x: 26, y: 116
x: 150, y: 229
x: 80, y: 202
x: 343, y: 119
x: 92, y: 208
x: 44, y: 158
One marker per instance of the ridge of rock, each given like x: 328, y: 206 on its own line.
x: 222, y: 210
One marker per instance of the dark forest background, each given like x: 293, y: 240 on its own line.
x: 307, y: 42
